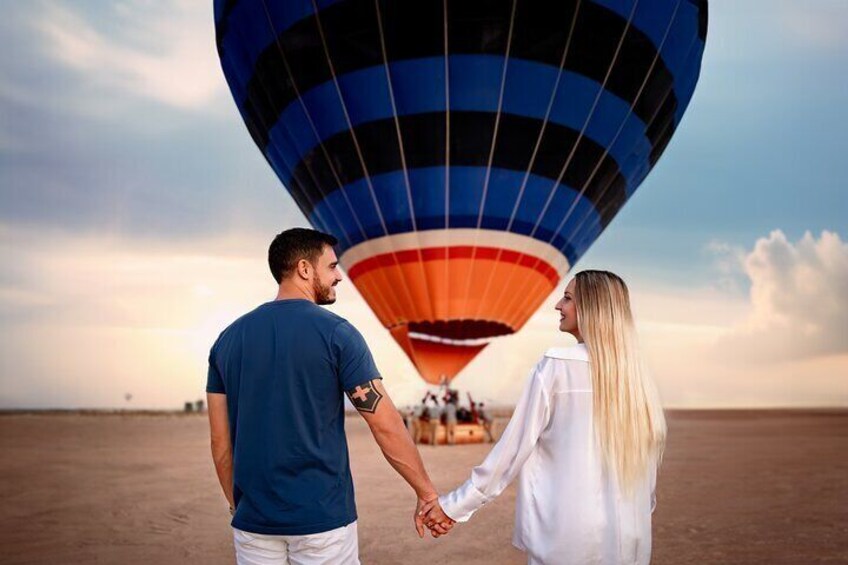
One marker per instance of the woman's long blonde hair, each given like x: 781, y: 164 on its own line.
x: 629, y: 421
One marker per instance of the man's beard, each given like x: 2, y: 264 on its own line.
x: 323, y: 294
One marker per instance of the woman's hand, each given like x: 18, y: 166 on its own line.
x: 432, y: 516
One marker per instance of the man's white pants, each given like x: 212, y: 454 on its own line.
x: 339, y: 546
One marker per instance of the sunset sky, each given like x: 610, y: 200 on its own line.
x: 136, y: 212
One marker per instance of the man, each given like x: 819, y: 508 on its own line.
x: 451, y: 420
x: 435, y: 415
x: 276, y: 412
x: 488, y: 422
x: 417, y: 413
x: 407, y: 418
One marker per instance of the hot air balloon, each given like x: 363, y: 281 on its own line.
x: 466, y: 153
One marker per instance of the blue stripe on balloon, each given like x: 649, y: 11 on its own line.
x: 233, y: 73
x: 248, y: 25
x: 236, y: 81
x: 475, y: 84
x: 218, y: 10
x: 636, y: 166
x: 294, y: 137
x: 652, y: 18
x: 583, y: 241
x: 254, y: 30
x: 249, y: 29
x: 418, y: 84
x: 679, y: 43
x: 428, y: 194
x: 690, y: 79
x: 326, y: 219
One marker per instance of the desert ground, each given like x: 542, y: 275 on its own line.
x: 752, y: 487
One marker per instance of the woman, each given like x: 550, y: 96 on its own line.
x: 585, y: 439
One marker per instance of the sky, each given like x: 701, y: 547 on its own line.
x: 136, y: 212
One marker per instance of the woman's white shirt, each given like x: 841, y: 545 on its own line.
x: 568, y: 510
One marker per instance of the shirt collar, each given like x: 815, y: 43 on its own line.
x: 577, y: 352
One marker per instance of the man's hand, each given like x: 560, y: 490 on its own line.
x: 418, y: 517
x: 429, y: 513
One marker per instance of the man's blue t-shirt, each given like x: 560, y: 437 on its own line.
x: 284, y: 368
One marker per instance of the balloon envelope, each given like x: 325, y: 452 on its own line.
x: 465, y: 153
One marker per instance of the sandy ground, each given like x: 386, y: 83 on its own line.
x: 738, y: 487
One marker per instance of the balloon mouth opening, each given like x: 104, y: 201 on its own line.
x: 469, y: 333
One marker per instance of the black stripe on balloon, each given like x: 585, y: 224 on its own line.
x: 703, y: 17
x: 416, y: 29
x: 461, y: 329
x: 222, y: 24
x: 471, y: 135
x: 661, y: 130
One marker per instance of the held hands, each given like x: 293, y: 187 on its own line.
x: 429, y: 513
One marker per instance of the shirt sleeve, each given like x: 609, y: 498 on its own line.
x: 653, y: 488
x: 214, y: 381
x: 505, y: 460
x: 354, y: 363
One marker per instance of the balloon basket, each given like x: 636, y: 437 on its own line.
x: 465, y: 433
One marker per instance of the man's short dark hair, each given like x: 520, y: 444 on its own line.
x: 295, y: 244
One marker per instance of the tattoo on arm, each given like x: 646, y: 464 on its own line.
x: 365, y: 397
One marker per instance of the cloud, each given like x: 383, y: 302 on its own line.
x: 155, y: 50
x: 111, y: 125
x: 728, y: 261
x: 799, y: 299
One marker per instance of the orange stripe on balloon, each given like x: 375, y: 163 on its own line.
x: 477, y: 301
x: 456, y: 252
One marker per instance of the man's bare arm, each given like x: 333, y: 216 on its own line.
x: 222, y: 450
x: 373, y: 403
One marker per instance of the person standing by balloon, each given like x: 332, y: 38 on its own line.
x: 435, y: 415
x: 450, y: 420
x: 585, y: 440
x: 488, y: 422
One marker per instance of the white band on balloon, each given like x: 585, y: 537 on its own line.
x: 448, y: 341
x: 456, y: 238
